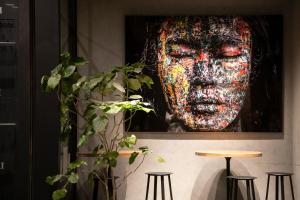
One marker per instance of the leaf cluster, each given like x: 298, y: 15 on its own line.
x: 85, y: 97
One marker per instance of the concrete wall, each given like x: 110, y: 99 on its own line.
x: 296, y: 96
x: 101, y: 41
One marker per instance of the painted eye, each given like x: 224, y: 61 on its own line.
x: 181, y: 51
x: 229, y: 51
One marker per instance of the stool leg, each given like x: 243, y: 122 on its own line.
x: 228, y: 174
x: 95, y: 191
x: 292, y: 188
x: 253, y: 190
x: 277, y: 187
x: 236, y: 189
x: 282, y: 188
x: 155, y: 188
x: 147, y: 191
x: 230, y: 189
x: 267, y: 193
x: 170, y: 187
x: 248, y: 189
x: 162, y: 188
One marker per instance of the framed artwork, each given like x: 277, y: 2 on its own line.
x: 211, y: 73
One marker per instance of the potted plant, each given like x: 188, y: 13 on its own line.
x: 99, y: 100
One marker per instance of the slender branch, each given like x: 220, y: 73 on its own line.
x: 78, y: 112
x: 131, y: 172
x: 99, y: 178
x: 113, y: 142
x: 59, y: 93
x: 103, y: 140
x: 130, y: 120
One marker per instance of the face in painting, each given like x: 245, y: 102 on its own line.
x: 204, y: 68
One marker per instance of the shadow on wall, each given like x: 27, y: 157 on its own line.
x: 212, y: 185
x: 85, y: 189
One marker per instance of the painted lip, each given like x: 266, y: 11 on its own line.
x: 206, y: 100
x: 205, y: 106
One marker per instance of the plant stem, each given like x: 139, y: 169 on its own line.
x: 131, y: 172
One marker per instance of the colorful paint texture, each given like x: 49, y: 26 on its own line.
x: 215, y: 73
x: 204, y: 68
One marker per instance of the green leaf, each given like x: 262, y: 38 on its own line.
x: 106, y: 86
x: 73, y: 177
x: 65, y: 131
x: 118, y: 86
x: 64, y: 108
x: 57, y: 69
x: 113, y: 155
x: 138, y: 70
x: 160, y: 159
x: 90, y: 111
x: 65, y: 56
x: 76, y: 164
x: 136, y: 67
x: 79, y: 61
x: 128, y: 142
x: 64, y: 113
x: 82, y: 140
x: 134, y: 84
x: 145, y: 150
x: 146, y: 79
x: 89, y: 130
x: 77, y: 85
x: 94, y: 82
x: 44, y: 82
x: 53, y: 81
x: 109, y: 157
x: 113, y: 109
x: 53, y: 179
x: 59, y: 194
x: 69, y: 71
x: 135, y: 97
x: 90, y: 181
x: 133, y: 157
x: 112, y: 162
x: 147, y: 110
x: 107, y: 90
x: 66, y: 89
x: 100, y: 123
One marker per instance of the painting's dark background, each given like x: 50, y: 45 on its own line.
x: 263, y: 107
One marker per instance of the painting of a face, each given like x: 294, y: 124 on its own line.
x: 204, y: 65
x: 211, y: 73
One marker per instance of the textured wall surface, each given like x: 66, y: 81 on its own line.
x: 102, y: 42
x: 296, y: 96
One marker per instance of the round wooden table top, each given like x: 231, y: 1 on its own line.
x: 229, y: 153
x: 122, y: 153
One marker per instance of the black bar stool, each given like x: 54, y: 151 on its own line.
x: 234, y: 186
x: 280, y: 175
x: 162, y: 175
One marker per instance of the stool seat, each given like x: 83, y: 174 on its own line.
x: 242, y: 177
x: 279, y: 173
x: 159, y: 173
